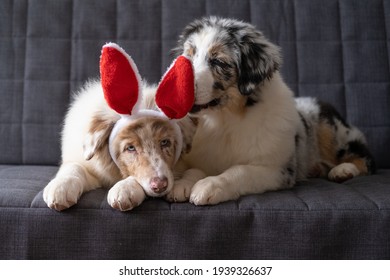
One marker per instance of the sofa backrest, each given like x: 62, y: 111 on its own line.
x: 337, y: 50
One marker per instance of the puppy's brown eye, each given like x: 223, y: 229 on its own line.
x: 217, y: 62
x: 130, y: 148
x: 165, y: 143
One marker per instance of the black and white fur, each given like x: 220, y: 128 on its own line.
x: 253, y: 136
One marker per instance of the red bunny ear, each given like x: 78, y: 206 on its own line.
x: 175, y: 93
x: 120, y: 79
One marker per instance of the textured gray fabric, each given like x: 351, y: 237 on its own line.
x: 315, y: 220
x: 337, y: 50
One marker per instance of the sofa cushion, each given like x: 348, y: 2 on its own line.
x: 316, y: 219
x: 336, y: 50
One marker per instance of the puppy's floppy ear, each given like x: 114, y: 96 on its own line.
x: 97, y: 137
x: 188, y: 128
x: 259, y: 59
x: 190, y: 29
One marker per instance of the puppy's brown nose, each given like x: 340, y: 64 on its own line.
x: 159, y: 184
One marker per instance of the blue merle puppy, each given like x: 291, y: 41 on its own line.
x: 253, y: 136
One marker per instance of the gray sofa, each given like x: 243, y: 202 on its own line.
x: 335, y: 50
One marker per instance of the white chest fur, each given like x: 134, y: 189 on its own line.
x: 263, y: 135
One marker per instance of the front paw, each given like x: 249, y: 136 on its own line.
x: 182, y: 188
x: 180, y: 192
x: 210, y: 190
x: 62, y: 193
x: 125, y: 195
x: 343, y: 172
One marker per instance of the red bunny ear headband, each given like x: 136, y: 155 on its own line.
x: 122, y: 89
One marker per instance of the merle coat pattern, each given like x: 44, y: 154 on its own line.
x: 253, y: 135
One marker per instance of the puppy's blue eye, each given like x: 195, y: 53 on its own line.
x: 130, y: 148
x: 165, y: 143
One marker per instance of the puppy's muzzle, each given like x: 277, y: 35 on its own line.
x: 159, y: 184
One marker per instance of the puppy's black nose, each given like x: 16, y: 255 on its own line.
x: 159, y: 184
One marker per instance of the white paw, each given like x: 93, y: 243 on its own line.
x: 125, y: 195
x: 181, y: 191
x: 62, y: 193
x: 343, y: 172
x: 210, y: 190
